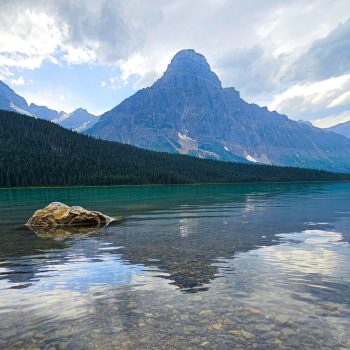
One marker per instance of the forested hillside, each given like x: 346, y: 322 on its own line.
x: 35, y: 152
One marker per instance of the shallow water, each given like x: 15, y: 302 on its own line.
x: 190, y: 267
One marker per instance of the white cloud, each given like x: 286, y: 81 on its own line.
x: 134, y: 65
x: 5, y: 73
x: 79, y: 55
x: 113, y: 83
x: 341, y: 100
x: 114, y: 30
x: 309, y: 100
x: 332, y: 120
x: 27, y: 38
x: 18, y: 82
x: 282, y: 53
x: 140, y: 66
x: 76, y: 31
x: 325, y: 58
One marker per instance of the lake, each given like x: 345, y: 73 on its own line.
x: 263, y: 266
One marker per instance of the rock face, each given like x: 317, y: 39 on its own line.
x: 188, y: 111
x: 59, y: 214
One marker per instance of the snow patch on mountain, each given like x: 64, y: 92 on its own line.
x: 250, y: 158
x: 63, y: 116
x: 20, y: 110
x: 185, y: 138
x: 83, y: 126
x: 188, y: 144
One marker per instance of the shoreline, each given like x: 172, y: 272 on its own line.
x: 173, y: 185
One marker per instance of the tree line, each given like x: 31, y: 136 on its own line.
x: 36, y: 152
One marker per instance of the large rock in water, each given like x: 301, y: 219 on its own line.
x: 59, y: 214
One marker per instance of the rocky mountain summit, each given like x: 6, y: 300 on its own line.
x: 188, y: 111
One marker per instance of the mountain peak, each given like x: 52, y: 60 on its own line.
x: 80, y: 110
x: 190, y: 56
x: 189, y: 68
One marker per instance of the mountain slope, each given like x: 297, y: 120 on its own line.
x: 36, y: 152
x: 43, y: 112
x: 187, y: 111
x: 78, y: 120
x: 10, y: 101
x: 341, y: 129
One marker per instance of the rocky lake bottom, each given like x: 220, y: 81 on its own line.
x: 263, y: 266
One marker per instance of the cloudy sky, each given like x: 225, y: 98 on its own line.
x: 291, y: 55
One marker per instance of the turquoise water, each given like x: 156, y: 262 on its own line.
x: 189, y: 267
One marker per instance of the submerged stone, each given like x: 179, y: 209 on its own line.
x: 217, y: 326
x: 330, y: 308
x: 242, y: 333
x: 281, y: 319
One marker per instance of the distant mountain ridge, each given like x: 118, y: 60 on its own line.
x: 342, y: 129
x: 187, y: 111
x: 78, y: 120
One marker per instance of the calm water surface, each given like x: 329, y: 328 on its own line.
x: 190, y: 267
